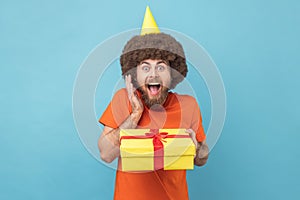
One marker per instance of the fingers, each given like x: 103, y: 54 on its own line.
x: 192, y: 134
x: 129, y: 86
x: 136, y: 103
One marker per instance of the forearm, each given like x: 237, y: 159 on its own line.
x: 109, y: 144
x: 202, y: 152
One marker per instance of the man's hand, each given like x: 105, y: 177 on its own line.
x: 202, y: 150
x: 193, y: 136
x: 135, y: 101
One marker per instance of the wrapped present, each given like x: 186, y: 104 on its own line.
x: 153, y: 149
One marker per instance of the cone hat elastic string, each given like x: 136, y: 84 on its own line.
x: 149, y: 24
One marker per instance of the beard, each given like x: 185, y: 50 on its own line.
x: 154, y: 101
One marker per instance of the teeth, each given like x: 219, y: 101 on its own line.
x: 153, y: 83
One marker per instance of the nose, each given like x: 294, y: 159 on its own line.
x: 153, y: 73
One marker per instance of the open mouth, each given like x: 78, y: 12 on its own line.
x: 154, y: 88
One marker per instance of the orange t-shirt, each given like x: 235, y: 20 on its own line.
x: 178, y: 111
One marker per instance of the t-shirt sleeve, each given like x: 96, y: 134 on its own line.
x: 197, y: 123
x: 117, y: 110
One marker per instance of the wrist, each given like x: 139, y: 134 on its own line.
x: 113, y: 137
x: 135, y: 117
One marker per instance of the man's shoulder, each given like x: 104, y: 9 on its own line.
x: 183, y: 97
x: 119, y: 96
x: 121, y: 92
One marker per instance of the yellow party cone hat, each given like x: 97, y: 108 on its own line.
x: 149, y: 24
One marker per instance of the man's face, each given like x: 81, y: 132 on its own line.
x: 154, y: 79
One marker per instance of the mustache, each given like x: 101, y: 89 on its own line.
x: 153, y: 80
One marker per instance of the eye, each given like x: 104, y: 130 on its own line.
x: 160, y: 68
x: 145, y: 68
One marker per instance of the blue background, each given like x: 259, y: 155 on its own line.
x: 255, y: 45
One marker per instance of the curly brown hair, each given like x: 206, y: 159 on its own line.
x: 154, y: 46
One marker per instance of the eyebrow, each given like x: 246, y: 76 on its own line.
x: 145, y: 63
x: 162, y: 61
x: 159, y: 62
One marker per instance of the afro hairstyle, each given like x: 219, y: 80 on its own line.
x: 156, y: 46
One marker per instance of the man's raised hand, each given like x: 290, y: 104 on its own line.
x: 135, y: 101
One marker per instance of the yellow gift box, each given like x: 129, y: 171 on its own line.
x: 153, y: 149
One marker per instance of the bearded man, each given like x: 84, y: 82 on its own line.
x: 152, y: 65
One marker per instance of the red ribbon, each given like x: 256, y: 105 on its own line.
x: 158, y: 147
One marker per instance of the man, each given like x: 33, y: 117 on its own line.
x: 152, y: 64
